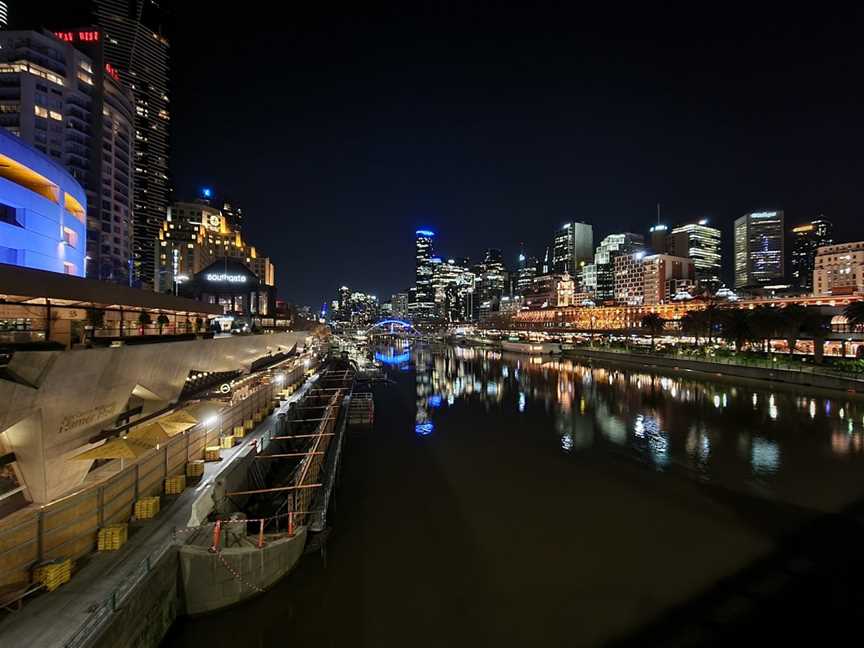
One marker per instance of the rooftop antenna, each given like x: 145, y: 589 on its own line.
x: 658, y: 213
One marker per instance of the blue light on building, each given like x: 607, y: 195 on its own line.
x: 207, y: 192
x: 421, y: 232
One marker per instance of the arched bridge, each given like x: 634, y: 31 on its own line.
x: 392, y: 327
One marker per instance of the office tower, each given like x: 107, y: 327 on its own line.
x: 451, y: 280
x: 657, y: 238
x: 525, y: 274
x: 665, y: 276
x: 493, y: 282
x: 839, y: 270
x: 612, y: 246
x: 701, y: 243
x: 572, y: 245
x: 57, y: 94
x: 400, y: 303
x: 759, y: 249
x: 423, y: 306
x: 806, y: 241
x: 136, y: 47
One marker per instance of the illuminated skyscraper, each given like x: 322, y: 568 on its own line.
x: 612, y: 246
x: 423, y: 306
x: 759, y: 249
x: 136, y: 47
x: 701, y: 243
x: 806, y: 240
x: 573, y: 244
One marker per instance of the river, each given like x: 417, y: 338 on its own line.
x: 508, y: 500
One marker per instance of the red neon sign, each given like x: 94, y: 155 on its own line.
x: 112, y: 72
x: 89, y: 36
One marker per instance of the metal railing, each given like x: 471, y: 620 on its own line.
x: 776, y: 362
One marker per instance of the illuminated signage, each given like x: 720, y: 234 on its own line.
x: 112, y: 72
x: 225, y: 277
x: 88, y: 36
x: 213, y: 222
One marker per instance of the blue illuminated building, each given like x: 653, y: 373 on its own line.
x: 43, y: 211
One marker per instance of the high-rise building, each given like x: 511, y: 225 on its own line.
x: 572, y: 245
x: 193, y: 236
x: 759, y: 249
x: 701, y: 243
x: 664, y: 276
x: 806, y: 240
x: 58, y: 94
x: 525, y: 274
x: 493, y: 282
x: 657, y: 238
x: 604, y: 261
x: 137, y: 49
x: 423, y: 306
x: 839, y: 270
x: 400, y: 303
x: 629, y: 278
x: 451, y: 280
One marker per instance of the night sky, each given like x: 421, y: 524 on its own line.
x: 340, y: 129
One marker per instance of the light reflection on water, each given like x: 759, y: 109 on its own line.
x: 713, y: 430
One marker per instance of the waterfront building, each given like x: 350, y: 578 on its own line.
x: 58, y: 95
x: 550, y: 290
x: 572, y: 244
x: 699, y: 242
x: 806, y: 241
x: 665, y: 277
x: 759, y: 249
x: 233, y: 287
x: 604, y: 261
x: 839, y: 270
x: 423, y: 305
x: 194, y: 235
x: 43, y: 211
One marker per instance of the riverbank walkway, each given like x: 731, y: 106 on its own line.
x: 74, y: 614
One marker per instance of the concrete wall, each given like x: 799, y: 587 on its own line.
x: 147, y: 614
x: 753, y: 373
x: 208, y: 585
x: 76, y: 394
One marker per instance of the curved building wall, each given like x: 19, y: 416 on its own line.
x: 42, y: 211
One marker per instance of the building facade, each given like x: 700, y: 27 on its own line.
x: 603, y: 272
x: 759, y: 249
x: 58, y: 95
x: 193, y: 236
x: 665, y: 276
x: 423, y: 306
x: 43, y: 211
x: 400, y: 302
x: 701, y: 243
x: 137, y: 49
x: 839, y: 270
x: 572, y: 246
x: 806, y: 241
x: 452, y: 280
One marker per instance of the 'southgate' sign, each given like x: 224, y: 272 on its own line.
x: 230, y: 278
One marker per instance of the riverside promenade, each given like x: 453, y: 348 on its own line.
x: 795, y: 374
x: 102, y: 592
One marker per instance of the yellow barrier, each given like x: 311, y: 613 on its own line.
x: 227, y: 442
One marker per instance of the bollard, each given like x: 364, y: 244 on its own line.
x: 291, y: 523
x: 261, y: 533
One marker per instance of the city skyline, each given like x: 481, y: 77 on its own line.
x: 431, y: 153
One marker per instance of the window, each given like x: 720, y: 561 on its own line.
x: 68, y: 268
x: 10, y: 215
x: 70, y: 237
x: 40, y: 111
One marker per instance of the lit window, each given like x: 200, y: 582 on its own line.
x: 40, y: 111
x: 68, y: 268
x: 55, y: 115
x: 70, y: 237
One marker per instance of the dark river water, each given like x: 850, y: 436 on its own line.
x: 505, y: 500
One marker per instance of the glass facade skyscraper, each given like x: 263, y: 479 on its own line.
x: 423, y: 306
x: 759, y: 249
x: 806, y: 240
x: 572, y: 246
x: 701, y: 243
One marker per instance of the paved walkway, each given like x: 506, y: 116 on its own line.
x: 53, y: 619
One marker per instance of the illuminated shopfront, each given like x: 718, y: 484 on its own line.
x: 233, y: 287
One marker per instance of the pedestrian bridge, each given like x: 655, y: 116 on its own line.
x: 393, y: 327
